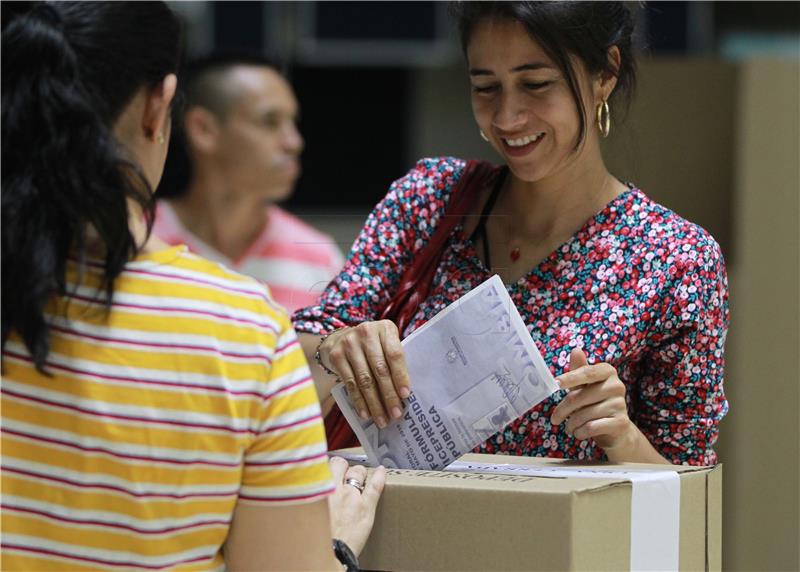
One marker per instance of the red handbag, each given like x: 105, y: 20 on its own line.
x: 416, y: 282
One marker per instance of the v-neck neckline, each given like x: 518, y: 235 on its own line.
x: 538, y: 271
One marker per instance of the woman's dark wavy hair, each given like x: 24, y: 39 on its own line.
x: 563, y: 28
x: 69, y: 69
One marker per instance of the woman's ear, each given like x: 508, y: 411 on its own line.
x: 607, y: 81
x: 156, y: 116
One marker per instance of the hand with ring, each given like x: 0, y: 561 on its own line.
x: 370, y: 361
x: 352, y: 505
x: 355, y: 483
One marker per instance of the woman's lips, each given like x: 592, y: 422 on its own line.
x: 521, y: 150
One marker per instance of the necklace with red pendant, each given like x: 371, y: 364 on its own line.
x: 514, y: 254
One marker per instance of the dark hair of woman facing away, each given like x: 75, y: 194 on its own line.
x: 567, y: 28
x: 68, y: 71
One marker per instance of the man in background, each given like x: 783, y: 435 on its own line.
x: 239, y: 129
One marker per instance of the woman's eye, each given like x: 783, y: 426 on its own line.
x: 537, y: 85
x: 483, y: 88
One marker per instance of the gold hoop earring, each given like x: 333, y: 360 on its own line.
x: 603, y: 118
x: 483, y: 136
x: 160, y: 138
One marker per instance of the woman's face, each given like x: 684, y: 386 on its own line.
x: 522, y: 102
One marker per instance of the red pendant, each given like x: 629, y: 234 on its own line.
x: 514, y: 255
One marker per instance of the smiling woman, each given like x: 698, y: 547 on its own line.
x: 599, y: 42
x: 626, y: 301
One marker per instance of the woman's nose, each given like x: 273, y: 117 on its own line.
x: 511, y: 113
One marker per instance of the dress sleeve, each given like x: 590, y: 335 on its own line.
x: 680, y: 399
x: 286, y: 461
x: 399, y: 226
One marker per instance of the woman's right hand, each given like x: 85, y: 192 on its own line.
x: 370, y: 361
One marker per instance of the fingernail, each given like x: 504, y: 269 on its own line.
x: 558, y: 381
x: 363, y: 414
x: 404, y: 392
x: 380, y: 422
x: 396, y: 412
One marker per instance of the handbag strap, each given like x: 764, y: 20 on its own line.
x: 415, y: 285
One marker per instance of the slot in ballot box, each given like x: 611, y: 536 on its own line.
x: 496, y: 512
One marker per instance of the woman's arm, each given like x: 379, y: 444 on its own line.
x: 323, y: 381
x: 680, y: 395
x: 295, y: 537
x: 298, y: 537
x: 678, y: 384
x: 635, y: 448
x: 595, y: 408
x: 369, y: 359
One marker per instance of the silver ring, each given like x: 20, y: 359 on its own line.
x: 356, y: 484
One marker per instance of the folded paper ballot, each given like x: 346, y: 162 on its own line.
x: 474, y: 368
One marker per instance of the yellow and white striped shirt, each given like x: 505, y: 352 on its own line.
x: 191, y: 394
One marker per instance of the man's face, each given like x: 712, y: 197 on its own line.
x: 259, y: 145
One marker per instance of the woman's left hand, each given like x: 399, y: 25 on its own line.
x: 595, y: 404
x: 352, y: 508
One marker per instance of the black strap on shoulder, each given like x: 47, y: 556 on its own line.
x: 480, y: 228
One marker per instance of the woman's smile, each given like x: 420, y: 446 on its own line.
x: 520, y: 146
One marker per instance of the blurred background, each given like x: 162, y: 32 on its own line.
x: 714, y: 134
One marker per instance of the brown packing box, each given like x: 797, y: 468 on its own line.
x: 430, y: 520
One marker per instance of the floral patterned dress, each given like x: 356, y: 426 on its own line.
x: 637, y: 286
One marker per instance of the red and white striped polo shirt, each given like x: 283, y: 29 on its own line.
x: 294, y: 259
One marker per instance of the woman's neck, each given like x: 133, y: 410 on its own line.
x: 138, y: 228
x: 556, y: 207
x: 96, y: 248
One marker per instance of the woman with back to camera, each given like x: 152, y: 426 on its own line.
x: 157, y: 409
x: 626, y: 300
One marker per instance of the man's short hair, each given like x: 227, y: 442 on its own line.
x: 202, y: 82
x: 205, y: 82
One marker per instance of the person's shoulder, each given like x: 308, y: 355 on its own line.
x: 293, y: 238
x: 195, y: 276
x: 432, y: 173
x: 438, y: 169
x: 667, y: 231
x: 292, y: 225
x: 442, y: 166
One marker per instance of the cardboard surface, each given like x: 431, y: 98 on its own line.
x: 434, y: 520
x: 714, y: 521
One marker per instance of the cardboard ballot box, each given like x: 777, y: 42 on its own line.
x: 507, y: 520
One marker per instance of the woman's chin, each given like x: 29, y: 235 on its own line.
x: 525, y: 172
